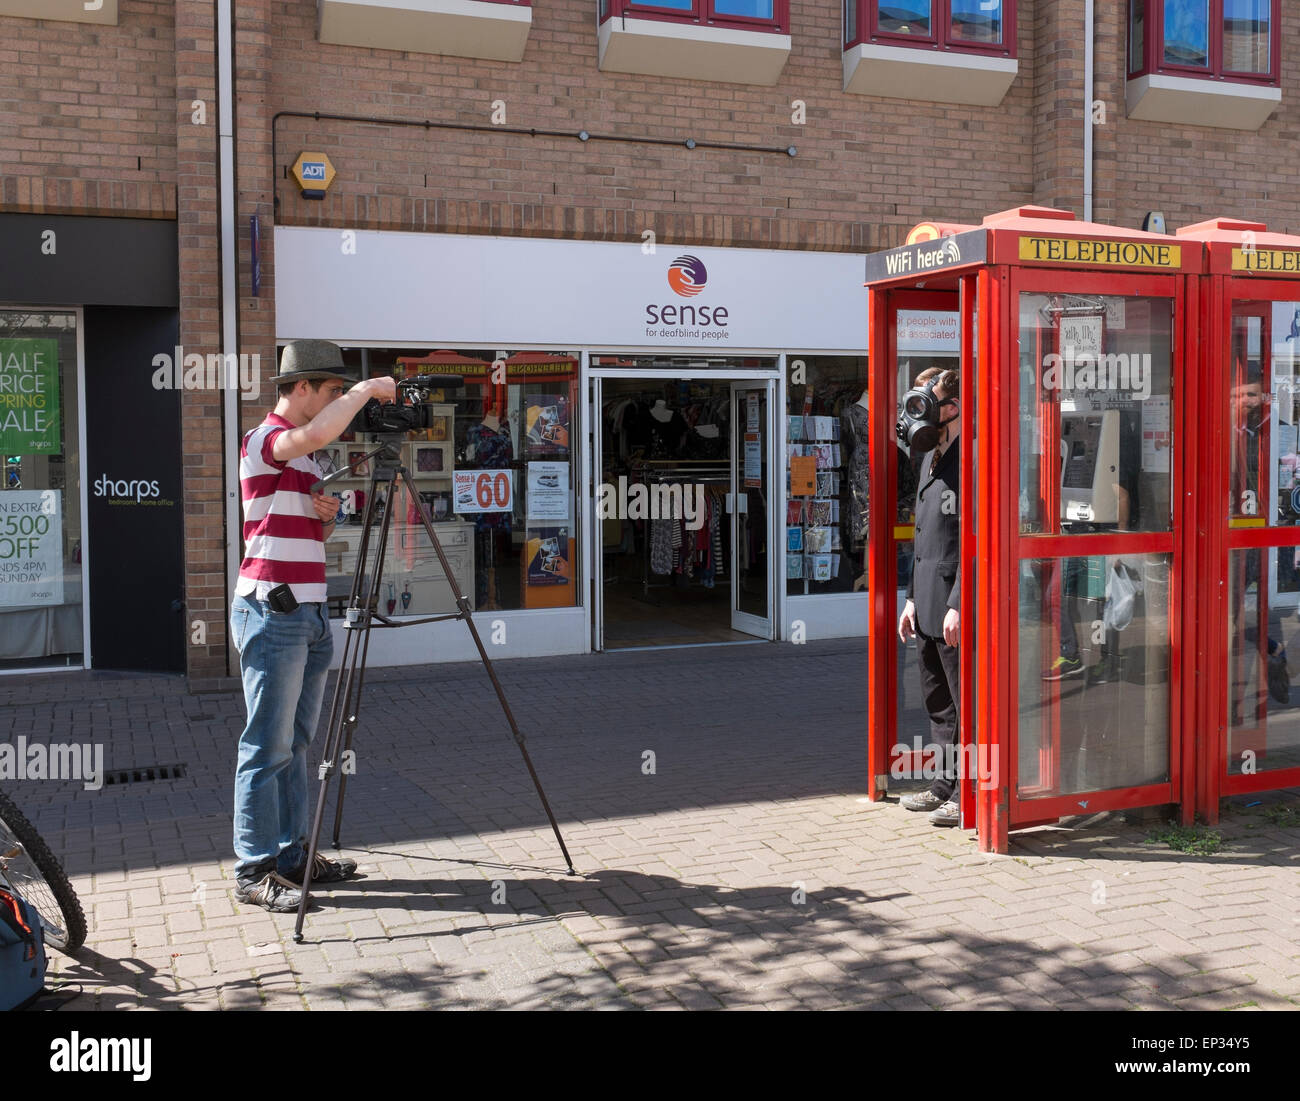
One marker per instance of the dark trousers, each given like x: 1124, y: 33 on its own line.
x: 940, y: 672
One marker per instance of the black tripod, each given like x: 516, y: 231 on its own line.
x: 362, y: 614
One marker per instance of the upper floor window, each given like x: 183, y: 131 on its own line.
x: 972, y: 25
x: 741, y: 14
x: 1216, y: 39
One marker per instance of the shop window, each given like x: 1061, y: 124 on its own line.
x: 41, y: 589
x: 70, y: 11
x: 827, y: 465
x: 496, y: 473
x: 492, y: 29
x: 952, y: 51
x: 1204, y: 62
x: 734, y: 41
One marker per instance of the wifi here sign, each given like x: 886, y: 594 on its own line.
x: 927, y: 256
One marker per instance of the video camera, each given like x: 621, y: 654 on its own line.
x: 412, y: 412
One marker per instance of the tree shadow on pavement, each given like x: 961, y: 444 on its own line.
x: 666, y: 942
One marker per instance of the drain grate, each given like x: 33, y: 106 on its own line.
x: 145, y: 774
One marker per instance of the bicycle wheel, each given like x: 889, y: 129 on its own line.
x: 35, y: 873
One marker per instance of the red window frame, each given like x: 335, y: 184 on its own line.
x: 701, y: 13
x: 1153, y: 47
x: 868, y: 30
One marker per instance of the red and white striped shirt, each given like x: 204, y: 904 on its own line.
x: 283, y: 537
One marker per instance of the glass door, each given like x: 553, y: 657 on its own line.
x: 1261, y: 741
x: 597, y: 525
x: 751, y: 513
x: 1099, y: 503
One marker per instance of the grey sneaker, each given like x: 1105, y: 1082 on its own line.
x: 323, y: 870
x: 947, y: 815
x: 921, y: 800
x: 272, y: 892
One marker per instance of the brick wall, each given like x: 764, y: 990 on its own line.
x: 87, y: 114
x: 863, y: 163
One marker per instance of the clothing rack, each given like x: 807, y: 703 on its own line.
x: 705, y: 472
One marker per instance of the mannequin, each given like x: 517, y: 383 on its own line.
x: 660, y: 411
x: 862, y: 401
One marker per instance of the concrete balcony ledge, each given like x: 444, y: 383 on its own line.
x: 460, y: 28
x: 658, y: 47
x: 932, y: 76
x: 67, y: 11
x: 1188, y: 101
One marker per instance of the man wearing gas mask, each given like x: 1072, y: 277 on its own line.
x: 929, y: 424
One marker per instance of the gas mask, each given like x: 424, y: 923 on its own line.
x: 919, y: 421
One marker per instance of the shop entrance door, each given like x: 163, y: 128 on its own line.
x: 680, y: 488
x: 751, y: 509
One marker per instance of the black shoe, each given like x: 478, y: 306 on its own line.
x: 271, y: 892
x: 324, y: 870
x: 921, y: 800
x: 1105, y: 671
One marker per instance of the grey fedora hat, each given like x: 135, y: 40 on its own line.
x: 313, y: 359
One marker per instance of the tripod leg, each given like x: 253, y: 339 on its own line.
x: 344, y: 706
x: 372, y: 599
x: 463, y: 605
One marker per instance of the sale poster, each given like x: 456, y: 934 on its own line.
x: 548, y: 491
x: 475, y: 491
x: 31, y: 547
x: 29, y: 397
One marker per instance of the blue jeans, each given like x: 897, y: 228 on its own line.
x: 284, y: 660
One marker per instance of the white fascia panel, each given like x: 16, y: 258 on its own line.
x: 657, y: 47
x: 67, y: 11
x: 931, y: 76
x: 459, y: 28
x: 1191, y: 102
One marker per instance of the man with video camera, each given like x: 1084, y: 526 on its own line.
x: 279, y: 620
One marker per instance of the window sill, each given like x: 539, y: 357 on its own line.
x: 1190, y: 102
x: 459, y: 28
x: 656, y: 47
x: 67, y: 11
x: 931, y: 76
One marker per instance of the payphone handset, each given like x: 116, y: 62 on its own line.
x: 1090, y: 466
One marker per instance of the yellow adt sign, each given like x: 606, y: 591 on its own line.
x: 314, y: 174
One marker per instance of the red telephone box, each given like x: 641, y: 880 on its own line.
x: 1250, y: 510
x: 1077, y: 505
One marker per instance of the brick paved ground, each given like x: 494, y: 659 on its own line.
x: 689, y: 876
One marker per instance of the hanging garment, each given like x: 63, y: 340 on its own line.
x: 853, y: 435
x: 661, y: 551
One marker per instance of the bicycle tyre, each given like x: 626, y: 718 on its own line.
x: 36, y: 874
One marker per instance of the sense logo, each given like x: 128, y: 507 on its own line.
x: 686, y: 276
